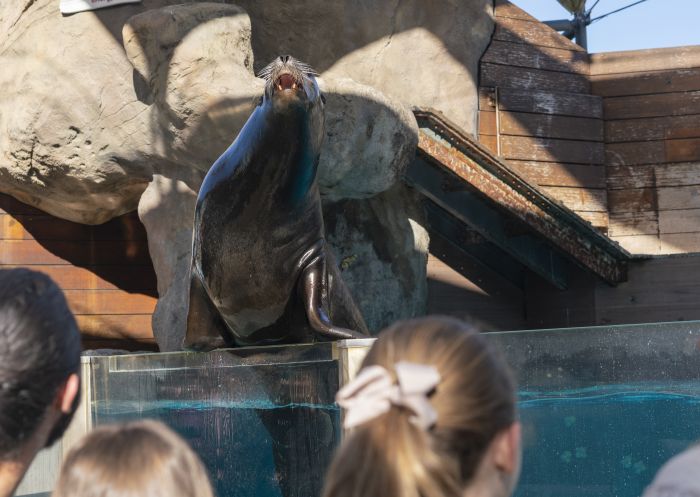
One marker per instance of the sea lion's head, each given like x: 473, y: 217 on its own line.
x: 290, y: 83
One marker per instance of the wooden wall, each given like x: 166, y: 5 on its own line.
x: 613, y: 132
x: 544, y: 120
x: 461, y: 287
x: 105, y: 271
x: 659, y: 289
x: 651, y: 103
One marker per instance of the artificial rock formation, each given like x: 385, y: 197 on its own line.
x: 370, y: 139
x: 103, y: 111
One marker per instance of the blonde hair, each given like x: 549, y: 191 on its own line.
x: 142, y: 458
x: 475, y: 400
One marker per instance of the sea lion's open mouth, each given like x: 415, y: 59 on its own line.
x: 286, y: 82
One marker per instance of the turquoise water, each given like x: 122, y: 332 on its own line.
x: 603, y: 441
x: 251, y: 449
x: 598, y: 442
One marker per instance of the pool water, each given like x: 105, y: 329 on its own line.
x: 250, y: 449
x: 604, y: 441
x: 594, y: 442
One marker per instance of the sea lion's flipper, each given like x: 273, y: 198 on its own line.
x: 342, y: 307
x: 313, y: 285
x: 206, y: 328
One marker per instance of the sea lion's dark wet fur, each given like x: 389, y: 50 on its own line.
x: 261, y: 270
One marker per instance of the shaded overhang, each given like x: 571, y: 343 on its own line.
x: 470, y: 190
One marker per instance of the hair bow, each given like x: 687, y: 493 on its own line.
x: 373, y: 392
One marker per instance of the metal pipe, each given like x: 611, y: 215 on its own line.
x: 560, y: 24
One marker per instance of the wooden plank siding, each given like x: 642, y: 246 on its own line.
x: 105, y: 271
x: 535, y: 84
x: 651, y: 105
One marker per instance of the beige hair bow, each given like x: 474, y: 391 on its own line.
x: 373, y: 392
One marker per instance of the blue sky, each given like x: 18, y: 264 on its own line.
x: 652, y: 24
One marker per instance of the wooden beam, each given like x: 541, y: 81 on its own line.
x: 525, y: 55
x: 524, y: 78
x: 30, y: 252
x: 533, y: 32
x: 657, y: 59
x: 655, y: 105
x: 542, y: 126
x: 560, y: 174
x: 552, y: 150
x: 652, y: 128
x: 543, y: 102
x: 644, y: 83
x: 653, y: 152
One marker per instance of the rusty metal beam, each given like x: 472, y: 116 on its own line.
x: 468, y: 206
x: 443, y: 144
x: 442, y: 224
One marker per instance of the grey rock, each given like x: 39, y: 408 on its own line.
x: 420, y: 53
x: 100, y: 108
x: 167, y: 210
x: 370, y: 139
x: 382, y: 249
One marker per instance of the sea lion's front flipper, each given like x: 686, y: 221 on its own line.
x: 206, y: 328
x: 313, y: 280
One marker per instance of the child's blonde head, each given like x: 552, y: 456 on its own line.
x: 143, y: 458
x: 390, y: 455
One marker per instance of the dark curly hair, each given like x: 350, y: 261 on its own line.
x: 39, y: 349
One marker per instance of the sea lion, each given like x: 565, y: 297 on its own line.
x: 261, y: 269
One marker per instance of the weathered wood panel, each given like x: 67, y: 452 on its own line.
x: 504, y: 8
x: 92, y: 302
x: 679, y: 221
x: 671, y: 243
x: 579, y: 199
x: 541, y: 102
x: 105, y: 271
x: 662, y: 289
x: 658, y: 289
x: 637, y: 200
x: 633, y: 223
x: 531, y: 31
x: 44, y: 227
x: 647, y: 176
x: 653, y: 152
x: 548, y: 307
x: 655, y: 105
x: 129, y: 278
x: 658, y: 59
x: 471, y: 292
x: 680, y: 197
x: 655, y: 128
x: 128, y: 327
x: 598, y: 220
x: 29, y: 252
x: 644, y: 83
x: 551, y: 150
x: 542, y: 125
x: 560, y: 174
x: 530, y: 56
x: 524, y: 78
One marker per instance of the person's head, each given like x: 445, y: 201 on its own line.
x: 39, y: 362
x: 679, y: 476
x: 143, y: 458
x: 469, y: 439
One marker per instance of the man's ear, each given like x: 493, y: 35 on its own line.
x: 506, y: 449
x: 67, y: 394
